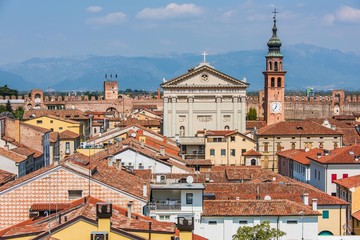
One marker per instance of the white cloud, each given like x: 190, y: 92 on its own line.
x: 110, y: 19
x: 172, y: 10
x: 94, y: 9
x: 328, y: 19
x: 348, y: 14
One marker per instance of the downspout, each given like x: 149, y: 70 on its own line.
x: 273, y: 162
x: 277, y: 226
x: 340, y: 221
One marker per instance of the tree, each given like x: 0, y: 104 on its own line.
x: 19, y: 113
x: 8, y: 106
x: 258, y: 232
x: 252, y: 114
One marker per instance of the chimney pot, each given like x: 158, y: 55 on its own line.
x: 129, y: 205
x: 305, y: 198
x: 314, y: 204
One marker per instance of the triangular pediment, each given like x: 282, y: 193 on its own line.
x: 204, y: 76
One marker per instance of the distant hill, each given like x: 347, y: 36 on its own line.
x: 306, y: 66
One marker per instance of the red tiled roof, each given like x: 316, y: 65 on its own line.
x: 194, y: 162
x: 299, y: 155
x: 54, y: 136
x: 219, y: 132
x: 6, y: 177
x: 349, y: 182
x: 277, y: 207
x: 49, y: 206
x: 198, y: 237
x: 297, y: 128
x: 86, y: 208
x: 344, y: 155
x: 250, y: 125
x: 356, y: 215
x: 73, y: 114
x: 276, y: 190
x: 251, y: 152
x: 12, y: 155
x: 67, y: 134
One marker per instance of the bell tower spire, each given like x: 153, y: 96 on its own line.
x: 274, y: 85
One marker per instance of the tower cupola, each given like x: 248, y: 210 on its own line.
x: 274, y: 42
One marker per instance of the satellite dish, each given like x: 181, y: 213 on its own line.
x: 267, y: 197
x: 189, y: 179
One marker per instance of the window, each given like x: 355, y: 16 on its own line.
x: 232, y: 152
x: 243, y: 151
x: 266, y: 147
x: 227, y: 127
x: 325, y: 214
x: 189, y: 198
x: 212, y: 222
x: 315, y: 173
x: 51, y: 121
x: 278, y: 147
x: 39, y: 121
x: 67, y: 147
x: 232, y: 139
x: 243, y: 222
x: 276, y: 66
x: 335, y: 144
x: 60, y: 128
x: 74, y: 194
x: 212, y: 152
x: 292, y: 222
x: 279, y: 82
x: 51, y: 129
x: 293, y: 145
x: 319, y: 175
x: 345, y: 175
x: 272, y: 82
x: 223, y: 152
x: 253, y: 162
x: 164, y: 217
x: 333, y: 177
x: 321, y: 144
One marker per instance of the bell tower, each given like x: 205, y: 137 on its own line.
x: 274, y: 87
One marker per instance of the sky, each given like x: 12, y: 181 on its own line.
x: 52, y: 28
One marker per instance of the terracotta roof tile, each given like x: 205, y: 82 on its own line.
x: 6, y: 177
x: 297, y: 128
x: 37, y: 128
x: 344, y: 155
x: 16, y: 157
x: 299, y: 155
x: 350, y: 182
x: 276, y: 190
x: 49, y: 206
x: 250, y: 125
x: 251, y: 152
x: 277, y: 207
x: 54, y: 137
x: 73, y: 114
x: 194, y: 162
x: 356, y: 215
x: 67, y: 134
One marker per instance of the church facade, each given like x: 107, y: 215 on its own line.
x: 203, y: 98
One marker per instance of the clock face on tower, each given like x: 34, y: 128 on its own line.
x: 275, y: 107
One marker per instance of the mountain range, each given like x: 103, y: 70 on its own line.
x: 306, y: 66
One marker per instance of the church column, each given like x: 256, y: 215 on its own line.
x: 173, y: 116
x: 243, y: 115
x: 218, y: 113
x: 166, y: 117
x: 189, y: 131
x: 235, y: 123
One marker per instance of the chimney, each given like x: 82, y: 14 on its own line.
x: 118, y: 163
x: 162, y: 151
x: 314, y: 204
x: 305, y: 198
x: 326, y: 152
x: 129, y: 205
x: 318, y: 155
x: 56, y: 160
x: 6, y: 147
x: 110, y: 163
x: 158, y: 94
x: 142, y: 144
x: 145, y: 190
x: 165, y: 139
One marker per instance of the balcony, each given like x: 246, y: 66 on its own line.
x: 166, y: 205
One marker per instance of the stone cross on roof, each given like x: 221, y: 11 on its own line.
x: 204, y: 54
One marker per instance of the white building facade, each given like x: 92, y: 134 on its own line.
x: 203, y: 98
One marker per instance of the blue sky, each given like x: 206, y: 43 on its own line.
x: 49, y: 28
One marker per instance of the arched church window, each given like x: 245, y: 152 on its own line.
x: 227, y: 127
x: 253, y: 162
x: 182, y: 131
x: 279, y: 82
x: 272, y: 82
x: 270, y: 65
x: 276, y: 66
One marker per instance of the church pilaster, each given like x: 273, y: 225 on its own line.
x: 218, y: 112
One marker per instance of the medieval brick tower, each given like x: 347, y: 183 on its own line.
x: 111, y: 90
x: 274, y: 87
